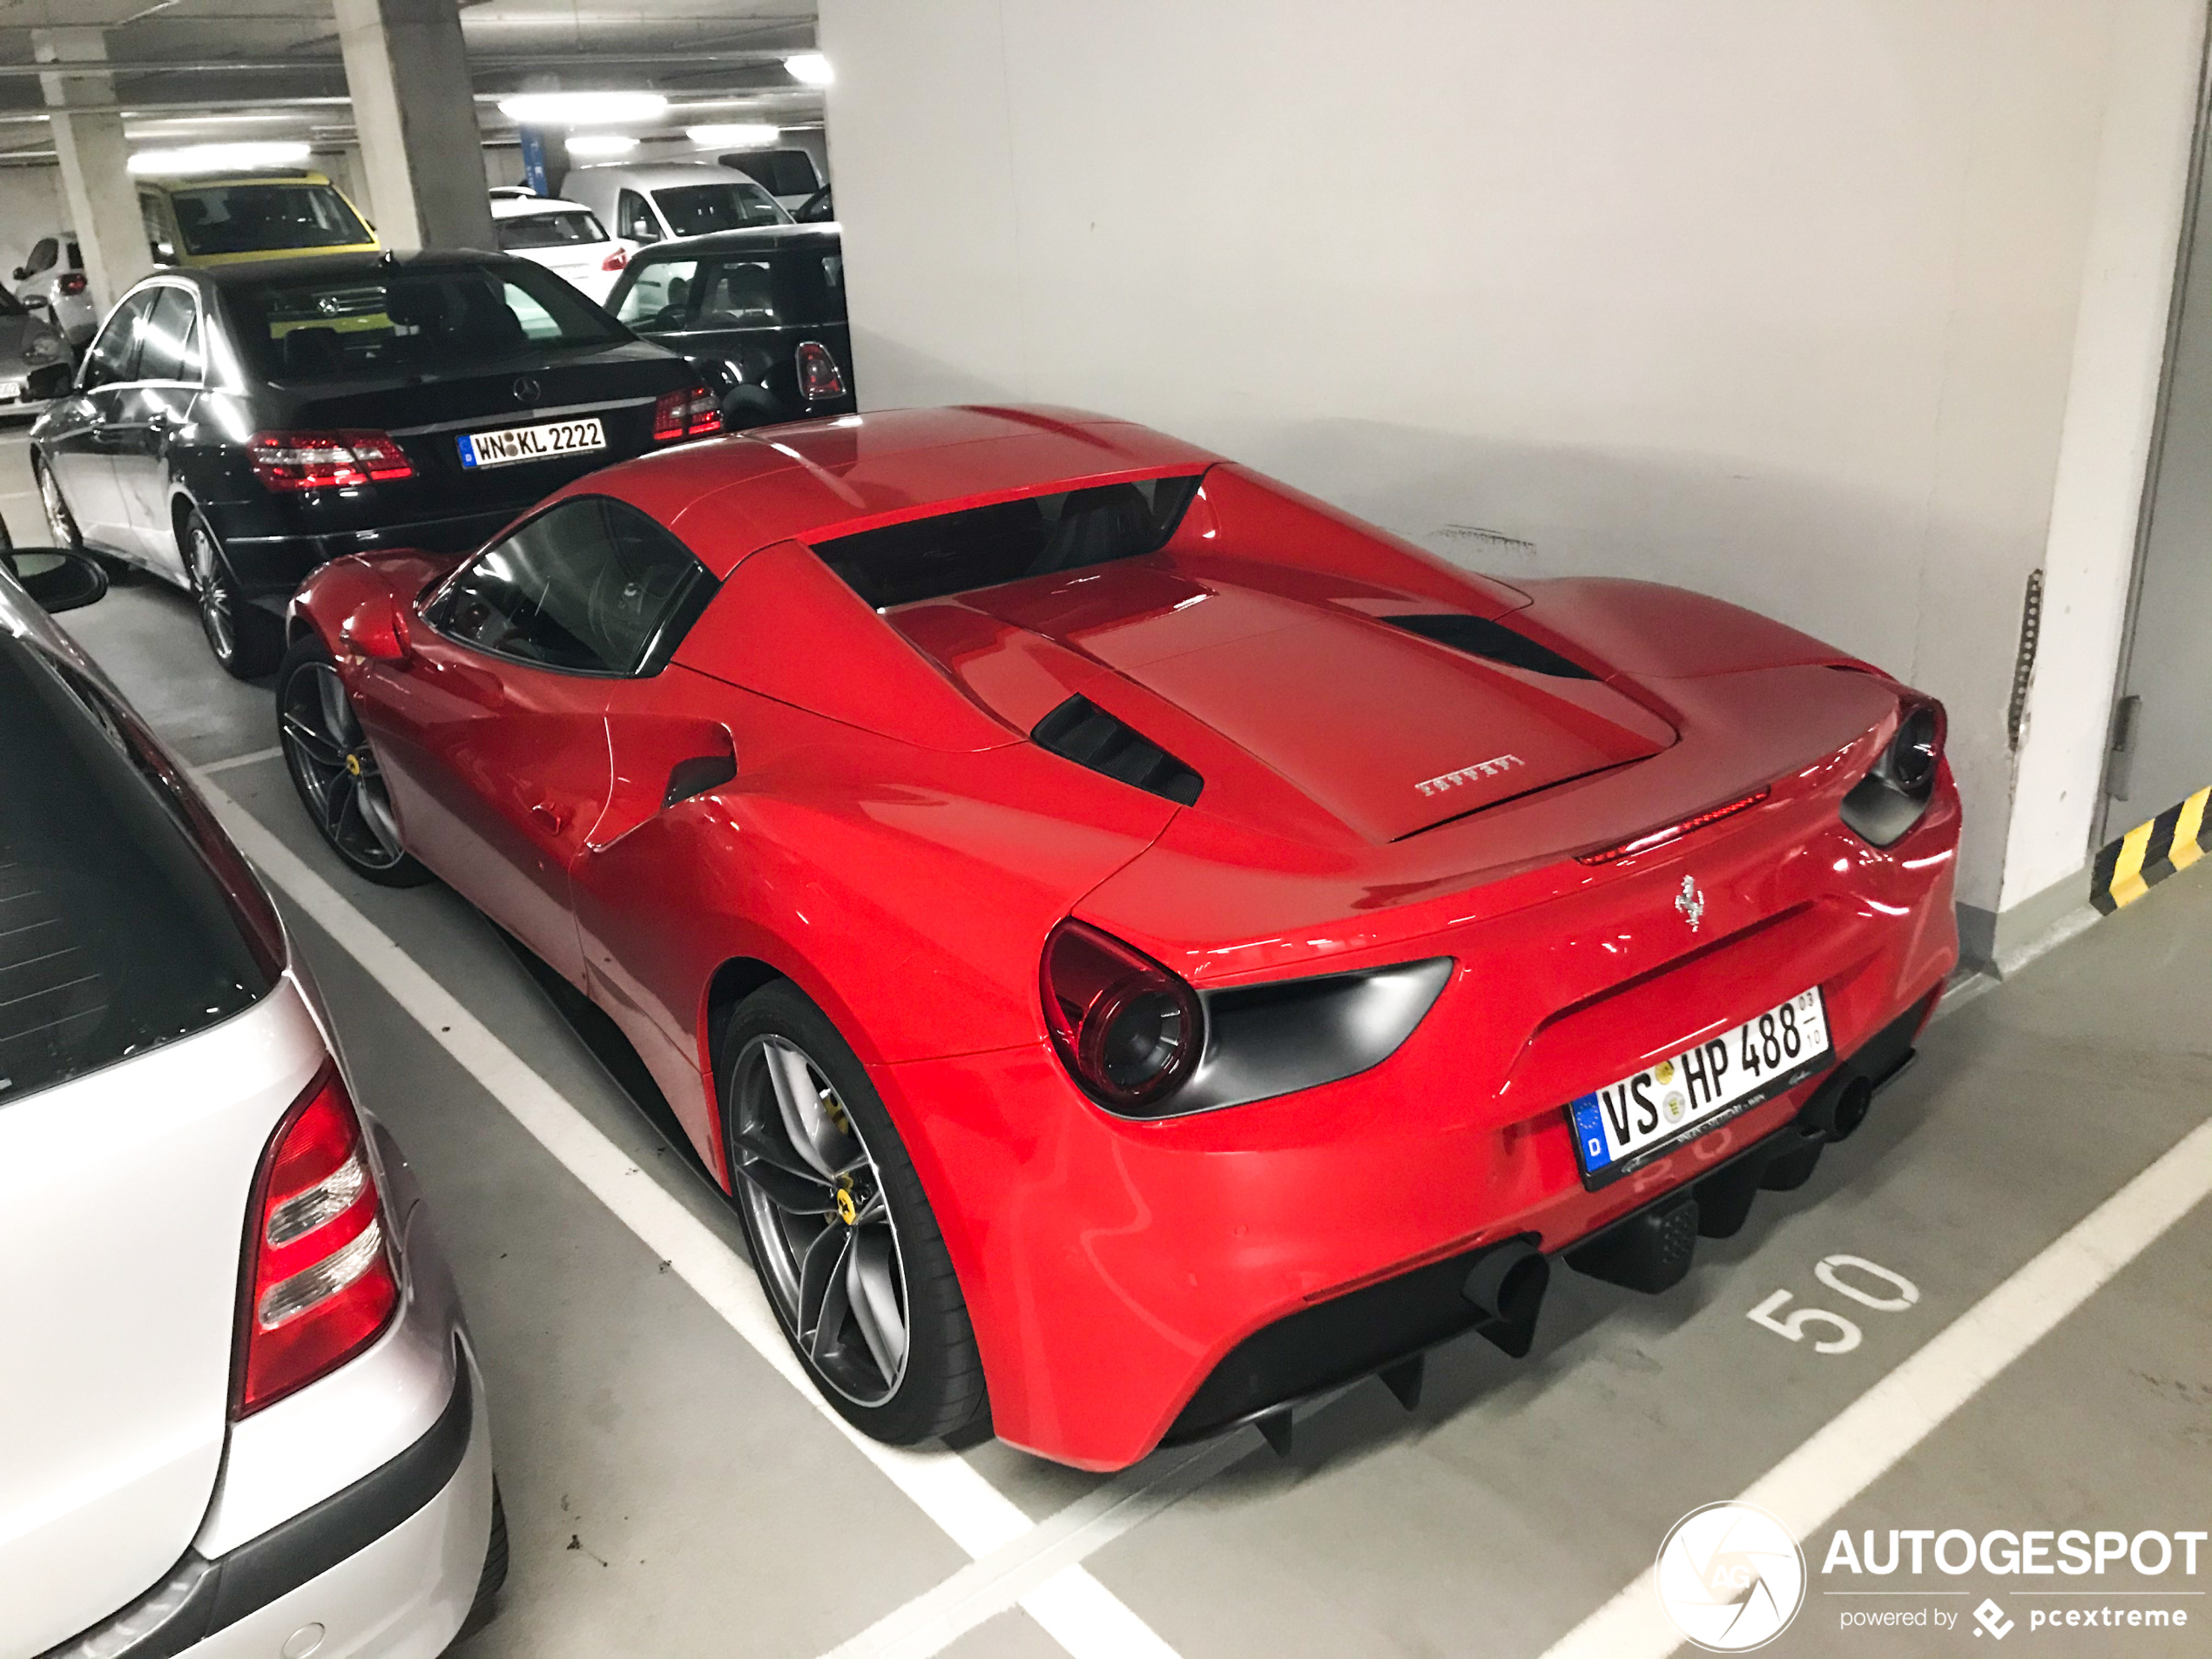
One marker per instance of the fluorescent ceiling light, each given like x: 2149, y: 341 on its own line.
x: 582, y: 109
x: 220, y: 158
x: 734, y: 135
x: 596, y: 145
x: 811, y: 67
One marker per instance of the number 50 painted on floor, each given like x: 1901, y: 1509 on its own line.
x: 1830, y: 1271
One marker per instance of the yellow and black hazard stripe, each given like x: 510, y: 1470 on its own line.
x: 2147, y: 854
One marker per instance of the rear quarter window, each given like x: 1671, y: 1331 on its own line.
x: 126, y: 920
x: 1009, y: 541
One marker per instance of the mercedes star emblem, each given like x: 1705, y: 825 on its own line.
x: 526, y: 390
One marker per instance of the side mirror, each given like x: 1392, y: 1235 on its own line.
x: 23, y: 273
x: 375, y: 630
x: 56, y: 579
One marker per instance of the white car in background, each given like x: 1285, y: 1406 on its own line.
x: 53, y: 272
x: 664, y: 200
x: 239, y: 1413
x: 564, y: 237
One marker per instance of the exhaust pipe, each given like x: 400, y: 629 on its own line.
x: 1839, y: 1105
x: 1506, y: 1285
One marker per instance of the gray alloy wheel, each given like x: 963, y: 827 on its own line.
x: 828, y: 1246
x: 334, y: 771
x: 211, y: 592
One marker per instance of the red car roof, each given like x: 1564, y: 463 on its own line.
x: 726, y: 497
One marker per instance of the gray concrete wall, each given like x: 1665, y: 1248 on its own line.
x: 1777, y: 302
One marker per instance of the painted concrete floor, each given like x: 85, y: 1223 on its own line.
x: 671, y: 1493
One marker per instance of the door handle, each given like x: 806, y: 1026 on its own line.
x: 551, y: 819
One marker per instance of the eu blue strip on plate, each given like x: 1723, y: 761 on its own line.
x: 1589, y: 1128
x: 467, y: 450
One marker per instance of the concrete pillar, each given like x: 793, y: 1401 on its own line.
x: 408, y: 70
x: 95, y: 165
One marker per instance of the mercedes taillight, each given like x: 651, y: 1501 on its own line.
x: 319, y: 1281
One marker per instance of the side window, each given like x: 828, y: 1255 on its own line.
x: 740, y: 295
x: 114, y: 355
x: 169, y: 344
x: 44, y: 254
x: 590, y: 587
x: 158, y: 239
x: 635, y: 219
x: 661, y: 297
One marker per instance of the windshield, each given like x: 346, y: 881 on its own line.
x: 125, y: 921
x: 982, y: 547
x: 802, y: 288
x: 259, y: 218
x: 731, y: 205
x: 377, y: 322
x: 549, y: 230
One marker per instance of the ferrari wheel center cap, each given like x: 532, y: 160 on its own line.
x: 847, y: 1211
x: 354, y: 765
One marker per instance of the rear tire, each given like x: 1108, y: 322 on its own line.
x: 334, y: 772
x: 841, y: 1233
x: 246, y: 640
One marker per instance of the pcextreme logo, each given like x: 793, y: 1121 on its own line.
x: 1731, y: 1576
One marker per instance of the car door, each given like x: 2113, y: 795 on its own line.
x: 79, y: 443
x: 150, y: 411
x: 492, y: 733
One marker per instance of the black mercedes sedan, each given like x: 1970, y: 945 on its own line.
x: 761, y: 312
x: 232, y: 428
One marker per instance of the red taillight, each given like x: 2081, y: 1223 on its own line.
x: 1128, y: 1029
x: 1661, y: 837
x: 319, y: 1281
x: 615, y: 260
x: 819, y: 376
x: 72, y: 283
x: 289, y: 461
x: 685, y: 414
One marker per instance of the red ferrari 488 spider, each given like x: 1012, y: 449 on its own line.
x: 1139, y: 946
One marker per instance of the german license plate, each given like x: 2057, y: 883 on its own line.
x: 1620, y: 1128
x: 12, y: 391
x: 554, y: 438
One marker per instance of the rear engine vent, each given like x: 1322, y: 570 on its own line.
x: 1082, y: 731
x: 1477, y: 638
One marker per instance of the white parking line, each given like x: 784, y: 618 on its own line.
x: 1080, y: 1613
x: 205, y: 772
x: 1887, y: 1421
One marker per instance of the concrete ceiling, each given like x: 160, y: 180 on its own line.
x: 211, y: 70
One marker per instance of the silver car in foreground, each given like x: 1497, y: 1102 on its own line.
x: 239, y: 1411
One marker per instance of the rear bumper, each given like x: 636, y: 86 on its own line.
x: 1383, y: 1325
x: 40, y: 386
x: 362, y: 1503
x: 1114, y: 1269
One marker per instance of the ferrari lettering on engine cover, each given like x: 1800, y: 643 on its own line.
x: 1495, y: 765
